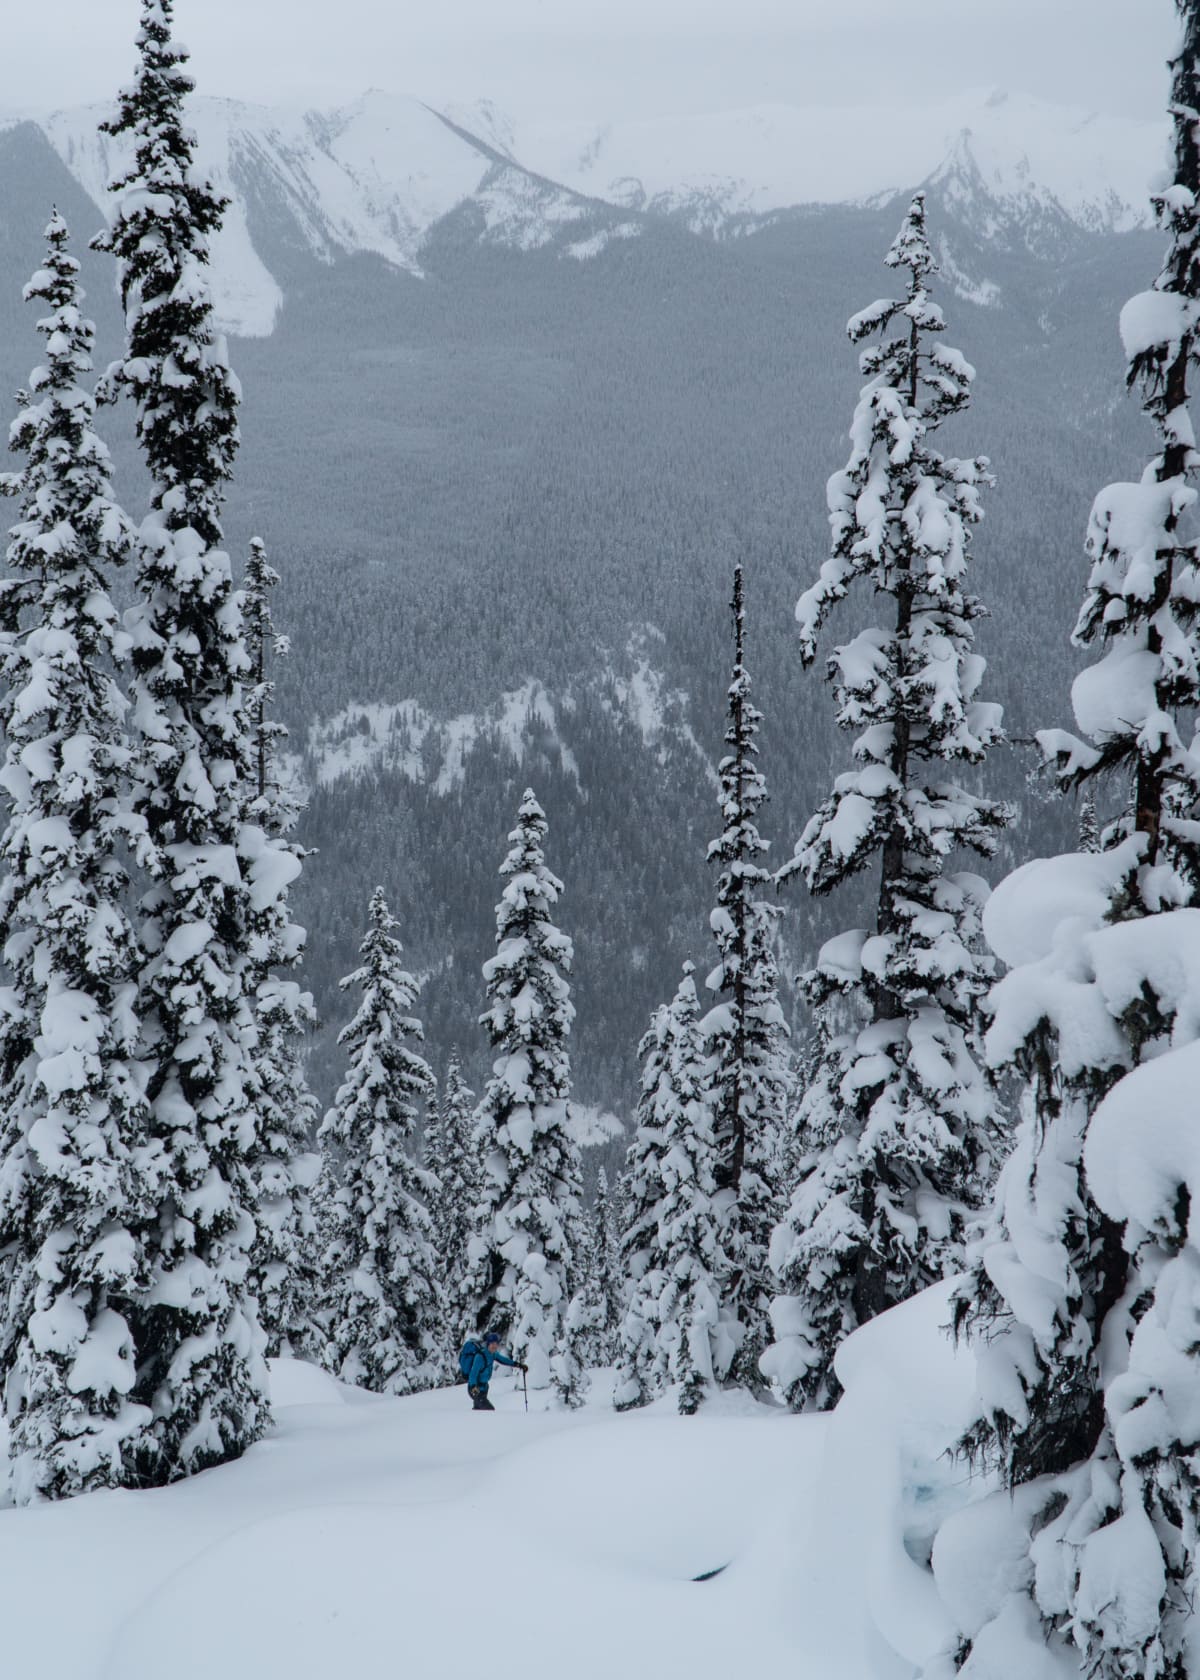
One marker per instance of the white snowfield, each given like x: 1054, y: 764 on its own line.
x: 370, y: 1538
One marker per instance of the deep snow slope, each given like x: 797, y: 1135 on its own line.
x: 372, y: 1537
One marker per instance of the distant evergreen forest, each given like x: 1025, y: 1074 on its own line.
x: 498, y: 471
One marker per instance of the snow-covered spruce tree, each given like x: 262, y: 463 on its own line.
x: 77, y: 1178
x: 607, y: 1259
x: 1083, y: 1296
x: 672, y: 1330
x: 452, y: 1158
x: 215, y: 873
x: 283, y: 1273
x: 385, y: 1311
x: 521, y: 1253
x: 1089, y: 827
x: 582, y: 1322
x: 901, y: 1116
x: 745, y: 1034
x: 274, y: 801
x: 639, y: 1374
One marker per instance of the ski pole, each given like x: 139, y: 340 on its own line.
x: 525, y: 1385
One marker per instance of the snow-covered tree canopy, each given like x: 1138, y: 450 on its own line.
x: 745, y: 1032
x: 1083, y: 1296
x: 276, y: 808
x: 385, y: 1309
x: 672, y: 1331
x: 522, y: 1267
x: 283, y: 1274
x: 1141, y: 610
x: 78, y: 1176
x: 451, y: 1157
x: 176, y: 367
x: 219, y: 878
x: 901, y: 516
x: 900, y: 1116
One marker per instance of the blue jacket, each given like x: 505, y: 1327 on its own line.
x: 480, y: 1372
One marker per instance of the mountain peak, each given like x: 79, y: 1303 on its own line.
x: 1096, y: 168
x: 377, y: 174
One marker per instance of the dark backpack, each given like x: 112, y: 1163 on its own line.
x: 466, y: 1359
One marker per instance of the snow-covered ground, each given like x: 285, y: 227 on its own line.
x: 372, y: 1537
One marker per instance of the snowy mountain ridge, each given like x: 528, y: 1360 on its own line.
x: 377, y: 176
x: 405, y: 738
x: 374, y: 177
x: 1096, y: 169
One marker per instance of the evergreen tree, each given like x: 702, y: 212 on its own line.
x: 283, y: 1274
x: 1082, y: 1295
x: 639, y: 1375
x: 1089, y: 828
x: 215, y: 874
x: 606, y: 1249
x: 285, y: 1261
x: 901, y: 1115
x: 672, y: 1330
x: 453, y: 1160
x: 77, y: 1179
x: 569, y: 1364
x: 746, y: 1032
x: 521, y: 1253
x: 385, y: 1313
x: 274, y: 803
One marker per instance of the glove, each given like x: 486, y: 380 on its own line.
x: 521, y: 1366
x: 473, y: 1392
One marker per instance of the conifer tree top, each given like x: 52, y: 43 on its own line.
x: 532, y: 890
x: 65, y: 485
x: 175, y: 365
x: 910, y: 248
x: 743, y: 786
x: 381, y: 972
x: 898, y: 506
x: 525, y: 855
x: 1141, y: 608
x: 530, y: 1000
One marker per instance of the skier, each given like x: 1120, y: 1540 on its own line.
x: 476, y: 1361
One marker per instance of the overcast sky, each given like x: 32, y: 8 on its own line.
x: 609, y: 58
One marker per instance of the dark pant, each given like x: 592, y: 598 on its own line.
x: 479, y: 1396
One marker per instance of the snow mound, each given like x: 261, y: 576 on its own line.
x: 1138, y: 1157
x: 1029, y: 909
x: 295, y: 1383
x: 888, y: 1479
